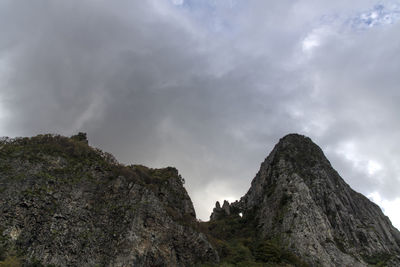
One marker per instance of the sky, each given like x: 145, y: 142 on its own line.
x: 210, y: 86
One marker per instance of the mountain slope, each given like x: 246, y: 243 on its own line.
x: 66, y: 204
x: 302, y: 204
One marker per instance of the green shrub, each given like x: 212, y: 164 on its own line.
x: 379, y: 259
x: 267, y: 251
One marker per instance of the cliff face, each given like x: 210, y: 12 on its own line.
x: 63, y: 203
x: 298, y: 199
x: 67, y: 204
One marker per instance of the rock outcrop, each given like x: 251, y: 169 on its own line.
x: 298, y: 199
x: 63, y: 203
x: 219, y: 212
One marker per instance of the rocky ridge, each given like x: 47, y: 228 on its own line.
x: 63, y: 203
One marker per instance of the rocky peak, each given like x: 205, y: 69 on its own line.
x: 298, y: 197
x: 300, y: 212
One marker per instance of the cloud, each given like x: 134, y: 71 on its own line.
x: 177, y: 2
x: 208, y: 87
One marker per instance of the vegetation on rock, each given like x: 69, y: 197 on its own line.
x: 238, y: 242
x: 63, y: 202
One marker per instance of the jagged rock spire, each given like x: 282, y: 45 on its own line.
x: 219, y: 212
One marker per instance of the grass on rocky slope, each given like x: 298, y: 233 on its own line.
x: 238, y: 244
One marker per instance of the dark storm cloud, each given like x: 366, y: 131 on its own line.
x: 207, y: 88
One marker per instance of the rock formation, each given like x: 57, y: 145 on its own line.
x: 63, y: 203
x: 298, y: 199
x: 219, y: 212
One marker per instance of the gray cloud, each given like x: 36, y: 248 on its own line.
x: 207, y: 88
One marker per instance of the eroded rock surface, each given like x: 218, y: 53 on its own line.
x: 299, y: 199
x: 66, y: 204
x: 63, y: 203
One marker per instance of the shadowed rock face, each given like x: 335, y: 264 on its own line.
x: 299, y: 198
x: 67, y: 204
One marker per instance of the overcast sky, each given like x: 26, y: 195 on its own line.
x: 210, y: 86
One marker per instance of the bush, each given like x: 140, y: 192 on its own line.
x: 11, y: 261
x: 267, y: 251
x: 379, y: 259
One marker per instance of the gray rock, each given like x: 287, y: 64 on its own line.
x: 67, y: 204
x: 219, y: 212
x: 298, y: 197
